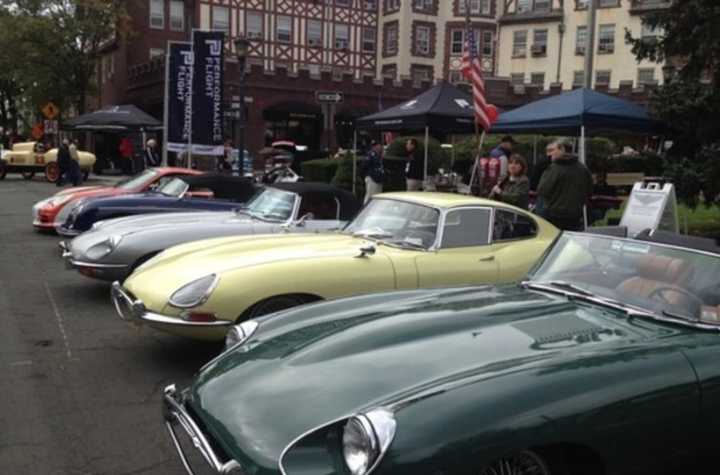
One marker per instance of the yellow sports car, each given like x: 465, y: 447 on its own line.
x: 29, y: 158
x: 398, y: 241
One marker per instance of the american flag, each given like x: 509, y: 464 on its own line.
x: 472, y: 71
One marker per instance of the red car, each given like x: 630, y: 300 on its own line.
x: 47, y: 214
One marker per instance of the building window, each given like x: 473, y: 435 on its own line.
x: 156, y: 53
x: 157, y: 14
x: 579, y: 78
x: 646, y: 76
x: 342, y: 3
x: 369, y: 38
x: 539, y: 46
x: 177, y: 15
x: 254, y: 27
x: 389, y: 70
x: 606, y: 39
x: 391, y: 39
x: 523, y: 6
x: 457, y: 41
x: 581, y: 40
x: 284, y: 29
x: 519, y: 44
x: 537, y: 79
x: 581, y: 4
x: 421, y: 74
x: 517, y: 79
x: 424, y: 6
x: 392, y: 5
x: 314, y: 33
x: 608, y: 3
x: 542, y: 5
x: 221, y: 19
x: 370, y: 4
x: 603, y: 77
x: 648, y: 34
x: 422, y: 40
x: 455, y: 76
x: 342, y: 36
x: 477, y: 7
x: 487, y: 43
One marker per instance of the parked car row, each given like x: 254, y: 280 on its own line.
x: 424, y: 333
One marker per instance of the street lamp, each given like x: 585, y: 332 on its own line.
x: 242, y: 45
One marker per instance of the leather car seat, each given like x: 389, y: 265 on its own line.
x: 656, y: 272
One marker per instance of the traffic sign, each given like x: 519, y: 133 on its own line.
x: 50, y: 111
x: 329, y: 97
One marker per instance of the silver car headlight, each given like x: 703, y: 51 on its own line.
x: 195, y: 293
x: 366, y: 438
x: 239, y: 334
x: 102, y: 249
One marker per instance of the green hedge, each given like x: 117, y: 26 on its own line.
x: 322, y: 170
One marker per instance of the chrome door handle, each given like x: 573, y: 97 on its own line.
x: 487, y: 259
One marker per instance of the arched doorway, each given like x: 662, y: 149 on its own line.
x: 299, y: 122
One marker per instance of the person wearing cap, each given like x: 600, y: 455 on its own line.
x: 373, y: 171
x: 503, y: 152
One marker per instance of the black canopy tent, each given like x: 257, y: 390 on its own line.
x: 114, y: 118
x: 443, y: 108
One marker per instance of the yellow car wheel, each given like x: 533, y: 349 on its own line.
x: 276, y: 304
x: 52, y: 172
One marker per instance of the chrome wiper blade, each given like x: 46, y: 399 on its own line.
x: 679, y: 316
x: 561, y: 284
x: 372, y: 234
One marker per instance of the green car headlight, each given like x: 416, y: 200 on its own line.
x: 239, y: 334
x: 102, y: 249
x: 195, y: 293
x: 366, y: 438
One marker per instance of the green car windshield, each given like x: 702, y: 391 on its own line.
x: 661, y: 279
x: 397, y: 222
x: 271, y: 204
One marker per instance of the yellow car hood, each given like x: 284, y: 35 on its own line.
x: 158, y: 278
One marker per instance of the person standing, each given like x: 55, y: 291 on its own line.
x: 151, y: 156
x: 126, y: 154
x: 64, y: 162
x: 565, y: 188
x: 74, y: 173
x: 503, y: 152
x: 415, y: 166
x: 374, y: 171
x: 515, y: 188
x: 224, y: 163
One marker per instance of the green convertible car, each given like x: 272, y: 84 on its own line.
x: 604, y: 361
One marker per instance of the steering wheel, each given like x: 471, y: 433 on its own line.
x: 660, y: 291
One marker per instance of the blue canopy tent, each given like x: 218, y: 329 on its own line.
x: 578, y: 112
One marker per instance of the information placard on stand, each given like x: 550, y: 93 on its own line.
x: 652, y: 205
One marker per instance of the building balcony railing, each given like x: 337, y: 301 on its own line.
x: 643, y: 6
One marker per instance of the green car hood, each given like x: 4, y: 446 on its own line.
x: 298, y: 373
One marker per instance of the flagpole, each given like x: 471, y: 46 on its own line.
x: 166, y: 107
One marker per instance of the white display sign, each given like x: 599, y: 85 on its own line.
x: 653, y: 206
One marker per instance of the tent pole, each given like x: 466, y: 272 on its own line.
x: 583, y: 150
x: 354, y: 159
x: 427, y: 139
x: 452, y: 152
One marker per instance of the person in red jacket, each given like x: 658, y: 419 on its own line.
x: 126, y: 155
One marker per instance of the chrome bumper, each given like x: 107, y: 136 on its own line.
x: 176, y: 417
x: 92, y: 269
x: 133, y: 310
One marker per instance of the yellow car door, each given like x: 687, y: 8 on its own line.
x: 516, y: 244
x: 465, y: 255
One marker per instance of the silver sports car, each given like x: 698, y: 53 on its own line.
x: 112, y: 249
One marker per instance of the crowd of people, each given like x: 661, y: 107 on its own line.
x: 562, y: 184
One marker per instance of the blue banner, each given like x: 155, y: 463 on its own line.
x: 179, y: 91
x: 207, y: 92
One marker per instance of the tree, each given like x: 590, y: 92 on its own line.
x: 59, y: 43
x: 690, y: 41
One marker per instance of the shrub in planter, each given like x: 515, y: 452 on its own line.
x: 322, y: 170
x: 344, y: 173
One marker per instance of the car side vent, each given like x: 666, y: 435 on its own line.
x: 559, y: 328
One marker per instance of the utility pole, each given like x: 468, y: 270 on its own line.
x: 590, y: 45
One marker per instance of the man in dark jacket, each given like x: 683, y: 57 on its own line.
x: 565, y: 187
x: 374, y: 171
x: 64, y: 162
x: 415, y: 166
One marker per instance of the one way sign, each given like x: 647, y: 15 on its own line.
x: 328, y: 97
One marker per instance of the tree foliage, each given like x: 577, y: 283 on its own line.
x: 689, y: 40
x: 51, y: 48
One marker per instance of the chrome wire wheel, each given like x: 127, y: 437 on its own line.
x: 523, y: 463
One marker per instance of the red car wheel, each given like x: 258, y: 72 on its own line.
x: 52, y: 172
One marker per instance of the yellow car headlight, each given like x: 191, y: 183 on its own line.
x: 195, y: 293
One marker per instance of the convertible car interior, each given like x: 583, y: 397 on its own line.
x: 220, y: 187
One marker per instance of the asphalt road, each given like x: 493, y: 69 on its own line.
x: 79, y: 389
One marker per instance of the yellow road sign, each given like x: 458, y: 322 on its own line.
x: 50, y: 111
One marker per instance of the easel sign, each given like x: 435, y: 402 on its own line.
x: 652, y: 205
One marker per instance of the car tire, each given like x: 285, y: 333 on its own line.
x: 275, y: 304
x: 3, y: 170
x: 527, y: 461
x: 28, y: 175
x: 52, y: 172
